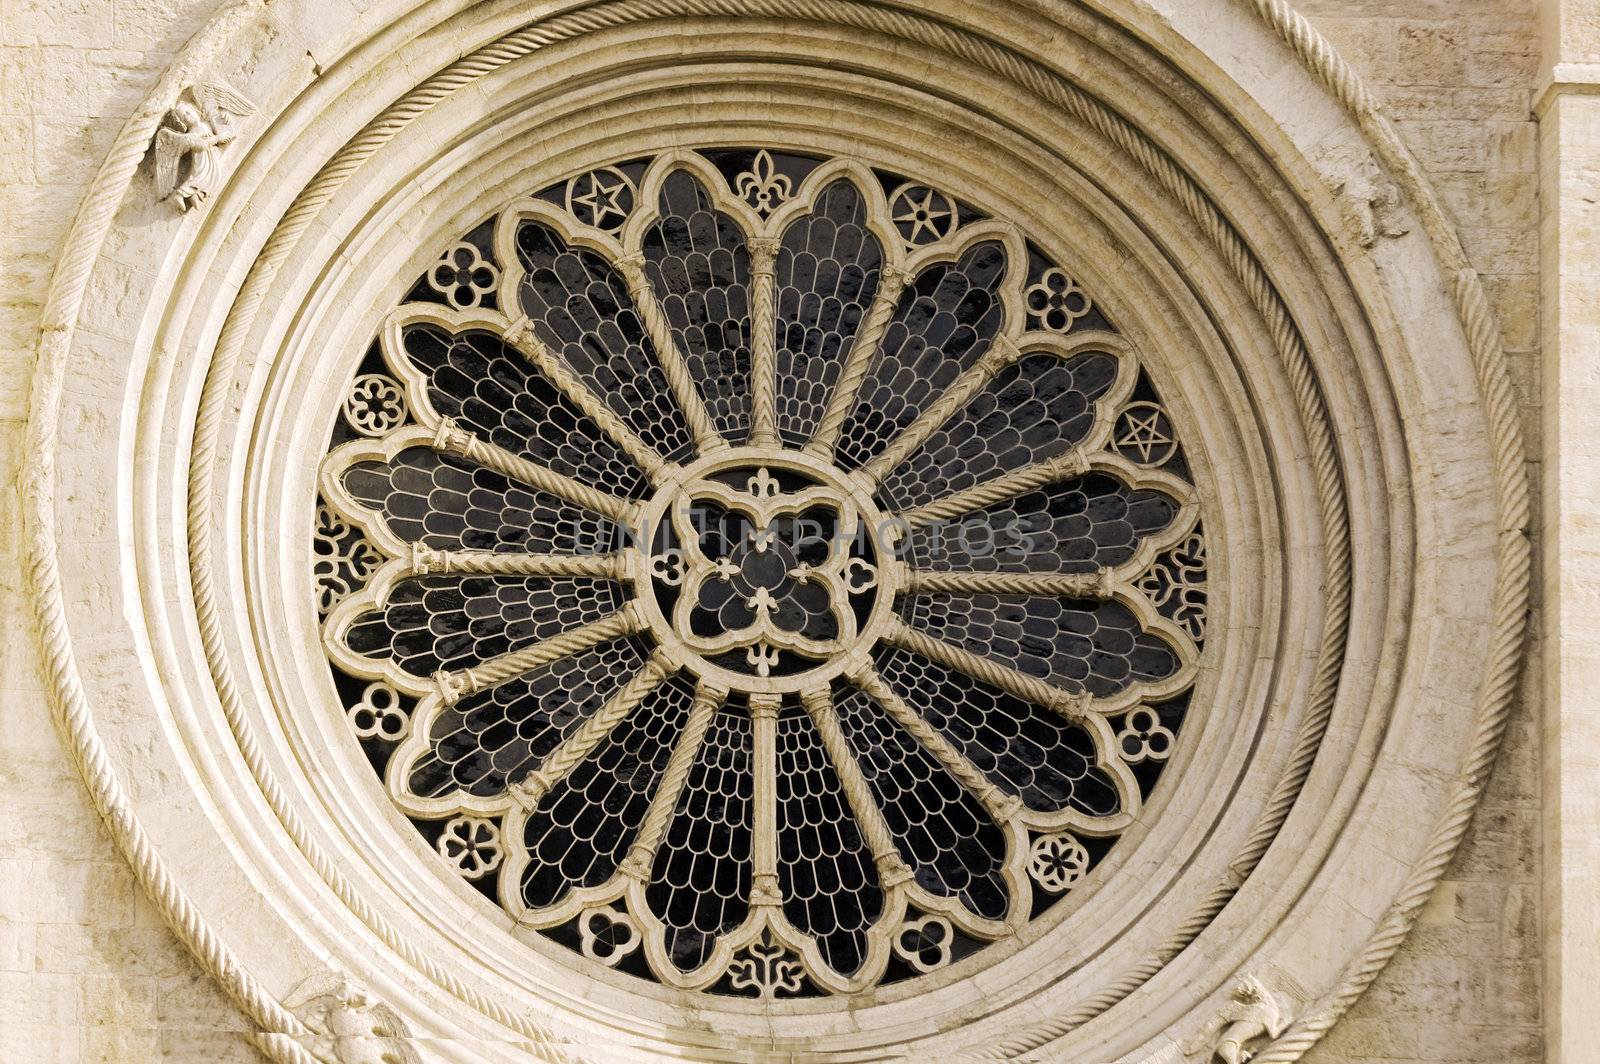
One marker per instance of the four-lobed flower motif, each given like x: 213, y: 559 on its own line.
x: 656, y: 624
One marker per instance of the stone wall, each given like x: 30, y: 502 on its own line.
x: 86, y: 970
x: 1458, y: 78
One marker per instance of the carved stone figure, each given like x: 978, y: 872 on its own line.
x: 190, y: 141
x: 349, y: 1026
x: 1371, y: 201
x: 1250, y: 1014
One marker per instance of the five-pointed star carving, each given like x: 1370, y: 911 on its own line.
x: 603, y: 199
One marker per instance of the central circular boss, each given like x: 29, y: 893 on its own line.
x: 764, y: 570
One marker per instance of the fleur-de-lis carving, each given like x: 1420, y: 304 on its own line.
x: 762, y: 186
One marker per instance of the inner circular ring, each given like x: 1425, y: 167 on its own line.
x: 808, y: 537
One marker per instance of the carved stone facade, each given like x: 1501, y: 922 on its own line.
x: 1312, y: 290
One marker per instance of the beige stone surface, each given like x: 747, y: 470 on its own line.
x: 88, y: 973
x: 1458, y: 78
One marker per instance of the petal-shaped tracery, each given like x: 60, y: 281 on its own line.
x: 946, y: 319
x: 700, y: 884
x: 447, y: 503
x: 698, y: 264
x: 1032, y: 410
x: 830, y: 885
x: 452, y: 621
x: 580, y: 308
x: 476, y: 378
x: 828, y: 267
x: 765, y: 568
x: 944, y: 835
x: 579, y: 833
x: 1050, y: 763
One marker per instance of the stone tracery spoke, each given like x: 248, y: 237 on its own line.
x: 641, y: 855
x: 694, y: 410
x: 1000, y: 805
x: 590, y: 734
x: 635, y: 262
x: 1065, y: 466
x: 891, y: 283
x: 1098, y: 585
x: 764, y: 338
x: 892, y: 869
x: 1004, y: 352
x: 1007, y: 352
x: 453, y: 686
x: 521, y: 335
x: 1069, y: 464
x: 1072, y: 705
x: 450, y: 438
x: 423, y: 560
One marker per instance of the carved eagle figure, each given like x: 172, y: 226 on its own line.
x: 190, y: 140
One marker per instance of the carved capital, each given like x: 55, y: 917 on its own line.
x: 632, y: 269
x: 453, y: 686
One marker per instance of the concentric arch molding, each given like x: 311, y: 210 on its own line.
x: 1251, y: 224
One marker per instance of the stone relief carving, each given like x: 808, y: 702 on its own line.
x: 1251, y: 1013
x: 190, y: 140
x: 1371, y: 200
x: 348, y: 1025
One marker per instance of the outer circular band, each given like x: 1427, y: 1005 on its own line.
x: 1450, y: 449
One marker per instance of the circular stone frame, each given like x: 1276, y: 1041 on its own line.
x: 1253, y: 223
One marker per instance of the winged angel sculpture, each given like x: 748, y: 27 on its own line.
x: 190, y: 141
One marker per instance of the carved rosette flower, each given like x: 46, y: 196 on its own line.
x: 761, y: 582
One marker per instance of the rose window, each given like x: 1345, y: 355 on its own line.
x: 761, y: 574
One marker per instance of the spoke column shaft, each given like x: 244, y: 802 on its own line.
x: 763, y: 343
x: 1095, y: 585
x: 673, y: 366
x: 764, y: 715
x: 642, y: 854
x: 1072, y: 706
x: 891, y: 282
x: 591, y: 733
x: 425, y: 561
x: 999, y: 804
x: 520, y: 335
x: 1003, y: 352
x: 892, y: 869
x: 453, y: 439
x: 1068, y: 464
x: 454, y: 686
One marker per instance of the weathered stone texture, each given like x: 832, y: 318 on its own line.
x: 1458, y: 78
x: 86, y: 971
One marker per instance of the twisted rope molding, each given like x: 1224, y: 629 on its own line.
x: 1512, y: 585
x: 86, y: 237
x: 990, y: 56
x: 278, y: 1031
x: 1513, y: 556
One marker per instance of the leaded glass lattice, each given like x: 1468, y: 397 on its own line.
x: 763, y: 574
